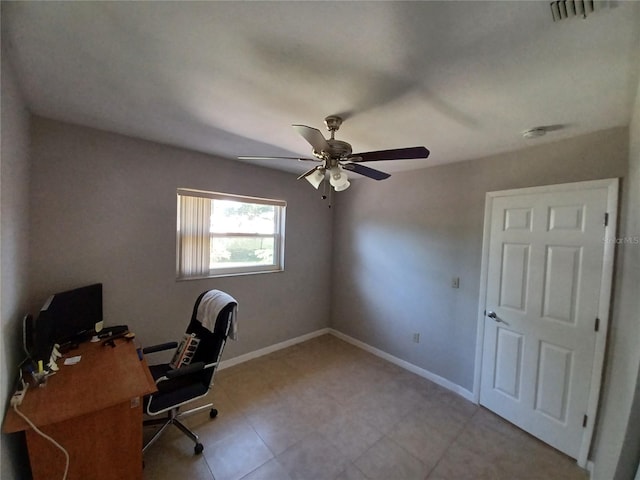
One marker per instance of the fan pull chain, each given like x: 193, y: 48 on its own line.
x: 324, y: 193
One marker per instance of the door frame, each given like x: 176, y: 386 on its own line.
x: 609, y: 236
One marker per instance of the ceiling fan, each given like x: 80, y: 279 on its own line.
x: 335, y: 158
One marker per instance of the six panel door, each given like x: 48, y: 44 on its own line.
x: 543, y: 286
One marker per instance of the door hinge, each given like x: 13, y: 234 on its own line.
x: 584, y: 421
x: 597, y: 326
x: 606, y: 219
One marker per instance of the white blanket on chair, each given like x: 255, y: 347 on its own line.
x: 210, y: 307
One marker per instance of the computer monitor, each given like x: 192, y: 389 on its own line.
x: 71, y: 316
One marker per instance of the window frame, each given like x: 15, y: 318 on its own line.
x: 279, y: 235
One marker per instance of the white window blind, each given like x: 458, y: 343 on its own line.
x: 224, y: 234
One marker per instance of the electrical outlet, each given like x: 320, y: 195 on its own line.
x: 416, y: 337
x: 18, y: 397
x: 455, y: 282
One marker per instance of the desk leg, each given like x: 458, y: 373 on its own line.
x: 102, y: 445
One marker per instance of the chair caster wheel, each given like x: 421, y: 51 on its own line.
x: 213, y: 413
x: 198, y: 448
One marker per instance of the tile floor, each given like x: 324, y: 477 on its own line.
x: 326, y: 410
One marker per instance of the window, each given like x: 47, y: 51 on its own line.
x: 223, y: 234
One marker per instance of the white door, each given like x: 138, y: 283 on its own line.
x: 547, y: 282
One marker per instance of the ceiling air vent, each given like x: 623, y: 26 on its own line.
x: 563, y: 9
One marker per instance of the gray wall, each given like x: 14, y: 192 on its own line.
x: 14, y: 240
x: 104, y: 210
x: 398, y: 243
x: 619, y: 429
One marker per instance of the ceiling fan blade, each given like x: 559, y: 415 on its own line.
x: 280, y: 158
x: 393, y: 154
x: 313, y: 136
x: 366, y: 171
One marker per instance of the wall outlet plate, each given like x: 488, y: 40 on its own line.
x: 455, y: 282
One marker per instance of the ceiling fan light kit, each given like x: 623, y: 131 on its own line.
x: 336, y: 157
x: 316, y: 178
x: 344, y: 186
x: 338, y: 178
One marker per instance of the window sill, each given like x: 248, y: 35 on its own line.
x: 232, y: 274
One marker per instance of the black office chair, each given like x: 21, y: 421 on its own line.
x: 180, y: 386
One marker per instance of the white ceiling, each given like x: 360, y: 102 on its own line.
x: 229, y: 78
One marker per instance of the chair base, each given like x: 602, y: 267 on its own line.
x: 173, y: 418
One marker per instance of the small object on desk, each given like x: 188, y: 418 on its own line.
x: 113, y: 331
x: 95, y: 339
x: 110, y: 340
x: 40, y: 378
x: 72, y: 360
x: 52, y: 366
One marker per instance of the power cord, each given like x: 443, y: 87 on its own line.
x: 17, y: 400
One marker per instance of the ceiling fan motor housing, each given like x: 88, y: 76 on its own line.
x: 338, y: 149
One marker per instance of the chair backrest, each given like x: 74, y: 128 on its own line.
x: 211, y: 343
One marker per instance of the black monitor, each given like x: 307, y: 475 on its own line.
x: 70, y: 316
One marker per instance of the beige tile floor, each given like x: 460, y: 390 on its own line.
x: 327, y: 410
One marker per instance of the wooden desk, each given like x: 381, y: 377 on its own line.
x: 94, y: 410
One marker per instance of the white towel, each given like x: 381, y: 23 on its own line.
x: 211, y: 305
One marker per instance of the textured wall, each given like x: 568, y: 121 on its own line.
x: 104, y: 210
x: 14, y: 233
x: 615, y: 452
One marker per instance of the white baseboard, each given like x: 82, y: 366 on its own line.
x: 443, y: 382
x: 270, y: 349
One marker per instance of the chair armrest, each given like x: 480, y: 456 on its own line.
x: 182, y: 371
x: 160, y: 347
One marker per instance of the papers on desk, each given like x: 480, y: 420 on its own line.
x: 72, y: 360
